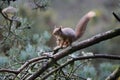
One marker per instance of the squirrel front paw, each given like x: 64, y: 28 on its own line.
x: 57, y: 47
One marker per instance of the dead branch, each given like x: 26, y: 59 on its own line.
x: 116, y: 16
x: 6, y: 16
x: 75, y: 47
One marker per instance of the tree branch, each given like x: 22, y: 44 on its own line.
x: 86, y: 43
x: 116, y: 16
x: 24, y: 65
x: 75, y: 47
x: 103, y: 56
x: 114, y: 75
x: 9, y: 71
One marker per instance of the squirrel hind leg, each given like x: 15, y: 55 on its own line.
x: 67, y: 43
x: 63, y: 43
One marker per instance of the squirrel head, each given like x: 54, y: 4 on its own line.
x: 57, y: 31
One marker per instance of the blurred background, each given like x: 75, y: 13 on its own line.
x: 67, y: 13
x: 34, y: 36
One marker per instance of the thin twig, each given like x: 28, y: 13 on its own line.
x: 116, y: 16
x: 24, y: 65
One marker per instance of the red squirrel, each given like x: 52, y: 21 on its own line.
x: 65, y: 36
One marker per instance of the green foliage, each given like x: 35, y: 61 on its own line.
x: 88, y: 71
x: 106, y: 69
x: 22, y: 43
x: 30, y: 49
x: 14, y: 51
x: 28, y: 53
x: 4, y: 61
x: 40, y: 42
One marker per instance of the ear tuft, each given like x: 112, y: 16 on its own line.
x: 61, y: 27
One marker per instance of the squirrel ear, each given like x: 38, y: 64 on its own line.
x: 60, y: 28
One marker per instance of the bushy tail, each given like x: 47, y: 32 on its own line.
x: 81, y: 26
